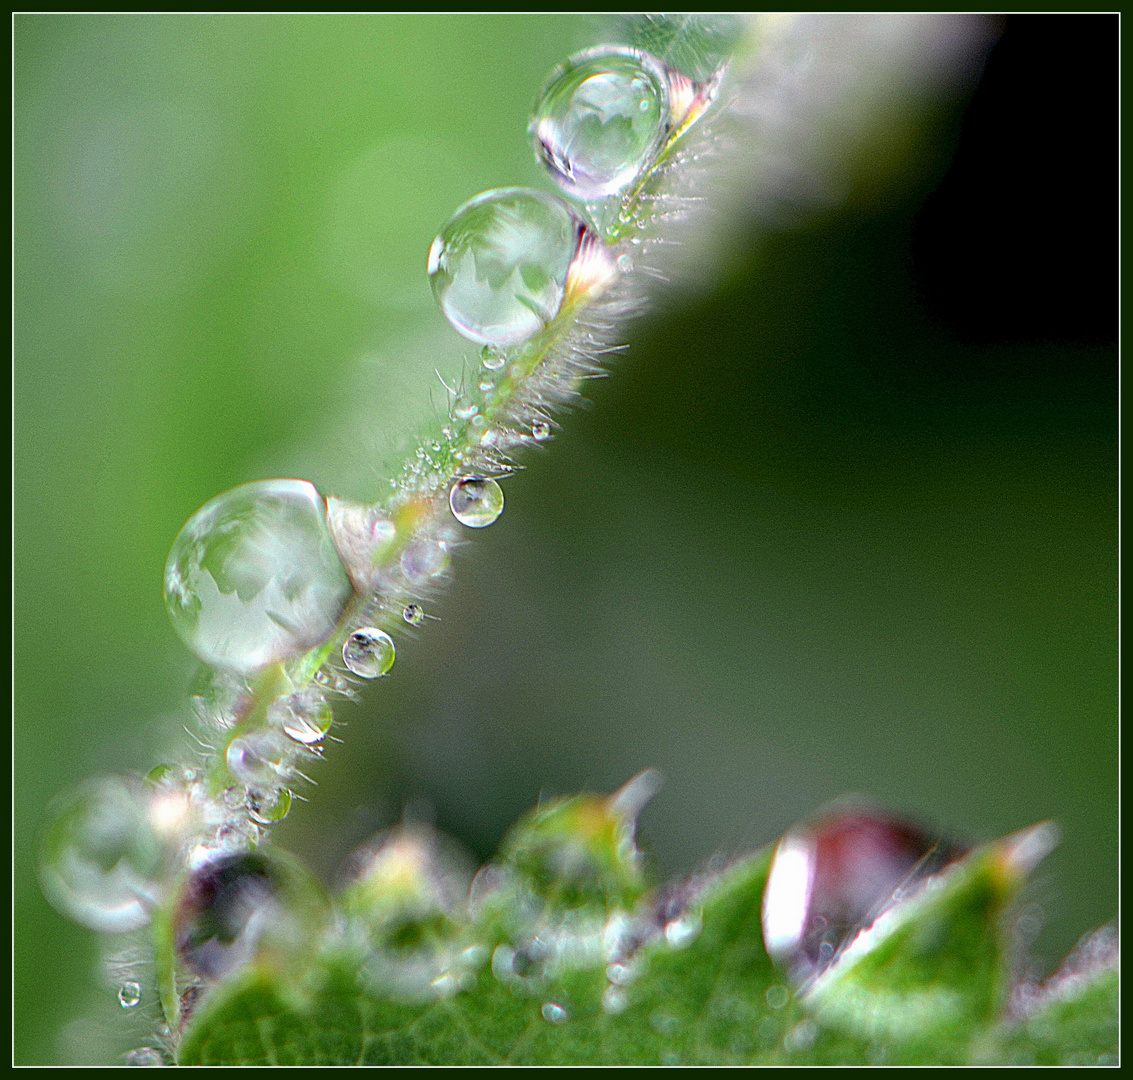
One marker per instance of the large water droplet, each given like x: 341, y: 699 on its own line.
x: 500, y: 267
x: 476, y: 501
x: 240, y: 904
x: 254, y: 576
x: 129, y: 994
x: 601, y: 119
x: 369, y: 652
x: 100, y: 856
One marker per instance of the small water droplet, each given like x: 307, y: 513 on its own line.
x: 777, y: 996
x: 129, y: 995
x: 476, y: 501
x: 503, y: 962
x: 305, y: 717
x: 540, y: 431
x: 601, y: 119
x: 413, y: 614
x: 682, y: 931
x: 268, y: 807
x: 254, y: 576
x: 369, y: 652
x: 625, y: 263
x: 257, y: 758
x: 238, y: 834
x: 145, y: 1057
x: 614, y: 1000
x: 493, y: 359
x: 101, y: 856
x: 463, y: 409
x: 552, y: 1013
x: 619, y: 974
x: 486, y: 385
x: 503, y: 260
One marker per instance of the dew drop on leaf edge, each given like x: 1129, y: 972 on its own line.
x: 369, y: 652
x: 476, y: 501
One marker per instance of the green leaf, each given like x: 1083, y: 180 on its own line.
x: 550, y: 966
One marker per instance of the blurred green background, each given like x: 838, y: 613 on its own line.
x: 843, y: 519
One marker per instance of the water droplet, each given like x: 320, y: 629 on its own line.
x: 493, y: 359
x: 682, y: 931
x: 619, y: 974
x: 552, y: 1013
x: 540, y: 431
x: 425, y: 558
x: 500, y: 267
x: 413, y: 614
x: 369, y: 652
x: 305, y: 717
x: 236, y: 905
x: 145, y: 1057
x: 601, y: 119
x: 777, y: 996
x: 268, y: 807
x: 614, y: 1000
x: 100, y: 856
x: 476, y: 501
x: 625, y: 263
x: 129, y: 995
x: 254, y: 576
x: 257, y: 758
x: 463, y: 409
x: 503, y: 962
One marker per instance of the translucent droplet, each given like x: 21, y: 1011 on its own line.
x: 305, y: 717
x: 625, y: 263
x: 100, y: 856
x: 540, y: 431
x: 463, y: 409
x: 268, y: 807
x: 240, y: 904
x: 681, y: 932
x: 601, y: 119
x: 145, y: 1057
x: 129, y: 994
x: 500, y: 267
x: 413, y: 614
x: 552, y: 1013
x: 493, y: 359
x: 257, y: 758
x: 254, y: 576
x: 476, y: 501
x: 369, y: 652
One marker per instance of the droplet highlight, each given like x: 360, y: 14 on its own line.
x: 129, y: 994
x: 601, y: 119
x: 254, y: 576
x: 553, y: 1013
x: 500, y: 267
x: 476, y: 501
x: 369, y: 652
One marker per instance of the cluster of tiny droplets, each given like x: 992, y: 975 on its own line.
x: 289, y: 597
